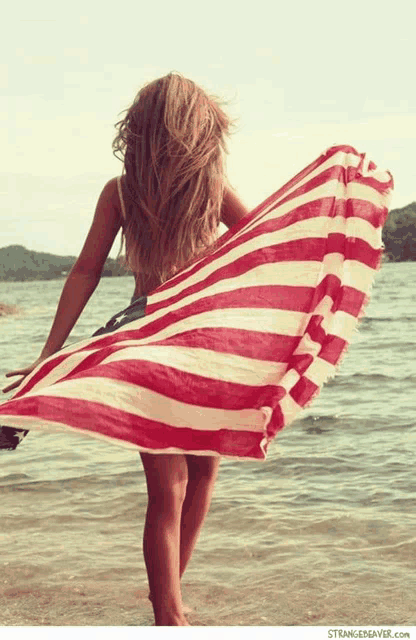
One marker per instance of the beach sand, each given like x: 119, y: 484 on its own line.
x: 26, y: 601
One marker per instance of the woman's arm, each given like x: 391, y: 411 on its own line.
x: 83, y: 277
x: 232, y: 208
x: 86, y: 272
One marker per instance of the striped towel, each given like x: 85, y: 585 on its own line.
x: 236, y: 344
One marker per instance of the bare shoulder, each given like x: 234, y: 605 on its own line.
x: 104, y: 228
x: 109, y: 200
x: 111, y: 188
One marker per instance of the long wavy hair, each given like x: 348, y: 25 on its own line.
x: 172, y: 143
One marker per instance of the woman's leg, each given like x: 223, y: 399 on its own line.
x: 202, y: 474
x: 166, y: 477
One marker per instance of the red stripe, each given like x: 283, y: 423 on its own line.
x: 350, y: 301
x: 251, y: 344
x: 303, y: 391
x: 354, y: 208
x: 315, y: 209
x: 342, y: 174
x: 328, y: 207
x: 181, y: 386
x: 98, y: 418
x: 291, y: 298
x: 43, y: 371
x: 260, y: 345
x: 244, y: 263
x: 277, y: 421
x: 345, y: 175
x: 332, y: 349
x: 266, y: 346
x: 353, y: 249
x: 344, y: 298
x: 300, y: 362
x: 331, y: 346
x: 381, y: 187
x: 315, y: 330
x: 309, y: 249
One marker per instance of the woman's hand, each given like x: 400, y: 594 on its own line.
x: 22, y: 372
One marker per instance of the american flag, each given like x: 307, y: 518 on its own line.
x: 236, y: 344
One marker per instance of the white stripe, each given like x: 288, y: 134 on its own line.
x: 320, y: 227
x: 289, y: 380
x: 330, y: 189
x: 304, y: 274
x: 315, y: 227
x: 352, y: 272
x: 124, y: 397
x: 289, y: 408
x: 239, y: 251
x: 340, y: 324
x: 355, y: 273
x: 357, y: 228
x: 319, y: 371
x: 226, y: 367
x: 324, y: 307
x: 359, y: 191
x: 297, y: 273
x: 332, y: 264
x: 59, y: 371
x: 358, y: 275
x: 307, y: 346
x: 262, y: 320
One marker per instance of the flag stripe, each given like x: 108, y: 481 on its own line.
x: 170, y: 382
x: 88, y: 417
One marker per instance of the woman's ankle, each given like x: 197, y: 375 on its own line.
x: 186, y: 609
x: 170, y: 620
x: 168, y: 610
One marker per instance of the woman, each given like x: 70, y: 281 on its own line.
x: 168, y: 203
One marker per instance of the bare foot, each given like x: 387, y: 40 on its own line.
x: 185, y: 607
x: 172, y: 621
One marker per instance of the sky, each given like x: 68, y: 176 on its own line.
x: 298, y: 77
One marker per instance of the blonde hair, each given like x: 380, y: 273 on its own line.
x: 172, y: 141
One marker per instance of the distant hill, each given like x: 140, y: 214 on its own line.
x: 399, y: 234
x: 18, y: 264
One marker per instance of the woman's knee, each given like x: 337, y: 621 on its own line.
x: 166, y: 477
x: 203, y: 468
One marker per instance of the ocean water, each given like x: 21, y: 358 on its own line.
x: 321, y: 533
